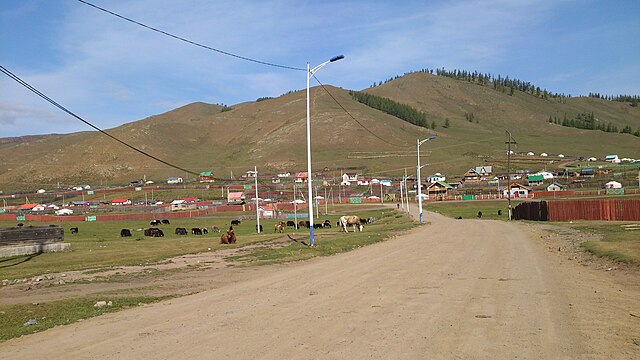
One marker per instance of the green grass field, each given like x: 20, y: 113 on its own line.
x: 98, y: 245
x: 469, y: 209
x: 619, y: 242
x: 61, y: 312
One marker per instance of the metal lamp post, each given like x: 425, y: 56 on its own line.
x: 420, y: 142
x: 310, y: 73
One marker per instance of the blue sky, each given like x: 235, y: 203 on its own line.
x: 111, y: 72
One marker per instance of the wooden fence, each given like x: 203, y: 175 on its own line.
x: 565, y: 210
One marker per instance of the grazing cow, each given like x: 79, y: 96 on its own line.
x: 196, y: 231
x: 279, y: 227
x: 20, y: 225
x: 318, y: 226
x: 166, y: 221
x: 74, y: 230
x: 499, y: 212
x: 153, y: 232
x: 291, y: 223
x: 235, y: 222
x: 351, y: 220
x: 370, y: 220
x: 229, y: 237
x: 155, y: 222
x: 301, y: 224
x: 181, y: 231
x: 205, y: 231
x: 326, y: 224
x: 215, y: 229
x: 260, y: 227
x: 479, y: 214
x: 125, y: 233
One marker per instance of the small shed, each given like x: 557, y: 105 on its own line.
x: 555, y: 187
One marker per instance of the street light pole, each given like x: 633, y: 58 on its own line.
x: 310, y: 73
x: 420, y: 142
x: 255, y: 168
x: 509, y: 142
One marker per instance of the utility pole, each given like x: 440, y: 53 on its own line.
x: 401, y: 197
x: 255, y: 169
x: 295, y: 207
x: 406, y: 190
x: 509, y: 142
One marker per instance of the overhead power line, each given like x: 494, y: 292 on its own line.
x: 354, y: 119
x: 54, y: 103
x: 190, y: 41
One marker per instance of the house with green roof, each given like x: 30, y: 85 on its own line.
x: 535, y: 179
x: 439, y: 189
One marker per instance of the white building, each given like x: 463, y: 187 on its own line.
x: 613, y: 185
x: 435, y: 178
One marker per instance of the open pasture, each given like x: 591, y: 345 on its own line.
x: 98, y: 245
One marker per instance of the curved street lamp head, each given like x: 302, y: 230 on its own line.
x: 336, y: 58
x: 420, y: 142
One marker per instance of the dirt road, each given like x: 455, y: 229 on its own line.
x: 453, y: 289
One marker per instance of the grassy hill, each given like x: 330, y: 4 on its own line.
x: 270, y: 134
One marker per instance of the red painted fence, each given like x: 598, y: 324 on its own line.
x: 564, y: 210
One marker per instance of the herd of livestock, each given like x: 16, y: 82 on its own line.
x: 229, y: 237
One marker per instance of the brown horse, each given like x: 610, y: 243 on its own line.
x: 229, y: 237
x: 279, y: 227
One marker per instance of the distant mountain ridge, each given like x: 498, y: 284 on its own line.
x: 271, y: 134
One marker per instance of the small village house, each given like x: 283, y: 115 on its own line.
x: 535, y: 180
x: 587, y: 173
x: 120, y: 202
x: 301, y: 177
x: 471, y: 176
x: 206, y: 176
x: 555, y: 187
x: 438, y: 189
x: 436, y: 177
x: 236, y: 197
x: 612, y: 159
x: 516, y: 190
x: 251, y: 174
x: 484, y: 171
